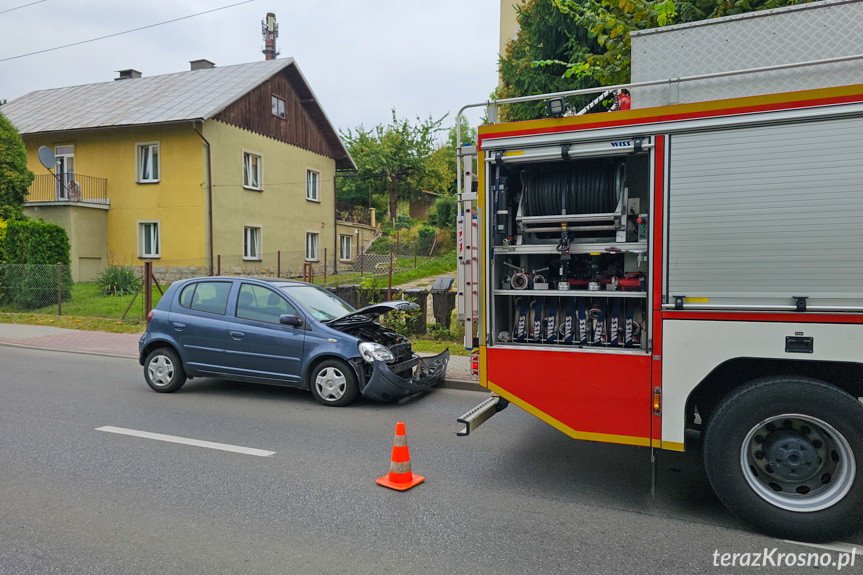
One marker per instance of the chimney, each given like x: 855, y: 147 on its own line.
x: 202, y: 64
x: 270, y: 31
x: 128, y: 74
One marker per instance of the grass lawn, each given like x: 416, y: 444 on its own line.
x: 444, y: 265
x: 87, y: 308
x: 424, y: 345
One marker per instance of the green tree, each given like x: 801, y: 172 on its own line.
x: 610, y: 23
x: 574, y: 44
x: 15, y: 178
x: 396, y: 160
x: 536, y: 61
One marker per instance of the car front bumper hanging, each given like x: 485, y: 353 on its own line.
x: 386, y: 384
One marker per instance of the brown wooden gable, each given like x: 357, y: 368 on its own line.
x: 304, y: 125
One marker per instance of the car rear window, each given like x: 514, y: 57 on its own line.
x: 211, y: 297
x: 186, y: 295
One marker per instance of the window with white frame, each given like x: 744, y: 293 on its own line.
x: 148, y: 162
x: 252, y: 171
x: 313, y: 186
x: 251, y: 243
x: 278, y: 107
x: 312, y: 246
x: 345, y: 247
x: 149, y: 240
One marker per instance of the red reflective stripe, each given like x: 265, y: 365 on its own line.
x: 401, y: 477
x: 400, y: 454
x: 764, y: 316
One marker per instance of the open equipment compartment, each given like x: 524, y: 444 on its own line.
x: 568, y: 230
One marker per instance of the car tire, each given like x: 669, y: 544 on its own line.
x: 164, y: 371
x: 786, y: 455
x: 334, y: 383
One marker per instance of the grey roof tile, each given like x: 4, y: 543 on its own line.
x: 192, y: 95
x: 182, y: 96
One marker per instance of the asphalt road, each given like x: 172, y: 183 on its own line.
x: 516, y: 497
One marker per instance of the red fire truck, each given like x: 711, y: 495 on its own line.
x: 627, y: 276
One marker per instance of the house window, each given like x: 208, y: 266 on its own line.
x: 313, y: 186
x: 278, y: 107
x: 251, y: 243
x: 312, y: 246
x: 345, y: 247
x: 149, y: 163
x: 149, y: 240
x: 252, y: 171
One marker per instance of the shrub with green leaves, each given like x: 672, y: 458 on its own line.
x: 2, y: 235
x: 404, y: 322
x: 116, y: 281
x: 444, y: 213
x: 425, y: 239
x: 32, y: 250
x: 403, y: 222
x: 381, y: 246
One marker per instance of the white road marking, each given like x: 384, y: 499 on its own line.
x: 187, y: 441
x: 837, y: 547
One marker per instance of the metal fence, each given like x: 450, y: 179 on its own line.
x: 283, y: 264
x: 48, y: 289
x: 31, y: 287
x: 68, y: 188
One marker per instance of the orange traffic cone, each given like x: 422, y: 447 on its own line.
x: 400, y: 476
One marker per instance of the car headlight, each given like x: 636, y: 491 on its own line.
x: 374, y: 351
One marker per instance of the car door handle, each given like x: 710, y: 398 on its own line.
x: 237, y: 334
x: 179, y: 326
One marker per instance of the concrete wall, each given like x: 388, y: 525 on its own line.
x: 176, y: 201
x: 280, y: 209
x: 87, y: 227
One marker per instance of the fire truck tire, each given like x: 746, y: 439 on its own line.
x: 786, y: 454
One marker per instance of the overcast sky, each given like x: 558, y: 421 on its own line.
x: 361, y: 57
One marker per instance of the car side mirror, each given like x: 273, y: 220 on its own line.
x: 288, y: 319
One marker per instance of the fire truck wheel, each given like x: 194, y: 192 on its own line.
x: 786, y: 455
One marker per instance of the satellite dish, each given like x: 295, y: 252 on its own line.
x: 47, y: 157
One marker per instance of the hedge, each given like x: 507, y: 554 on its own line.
x: 32, y: 250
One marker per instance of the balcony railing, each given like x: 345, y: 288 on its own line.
x: 68, y: 188
x: 349, y: 212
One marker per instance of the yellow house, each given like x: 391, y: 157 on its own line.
x: 218, y: 166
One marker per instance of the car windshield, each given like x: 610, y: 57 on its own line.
x: 323, y: 305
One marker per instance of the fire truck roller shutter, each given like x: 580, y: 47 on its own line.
x: 760, y: 214
x: 574, y: 187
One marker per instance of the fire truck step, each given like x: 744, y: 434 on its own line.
x: 480, y: 414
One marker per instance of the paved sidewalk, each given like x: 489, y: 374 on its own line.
x: 126, y: 345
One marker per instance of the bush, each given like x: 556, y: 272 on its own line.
x: 2, y: 235
x: 32, y: 251
x: 116, y: 280
x: 444, y: 214
x: 403, y: 222
x: 404, y: 322
x: 426, y: 239
x: 381, y: 246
